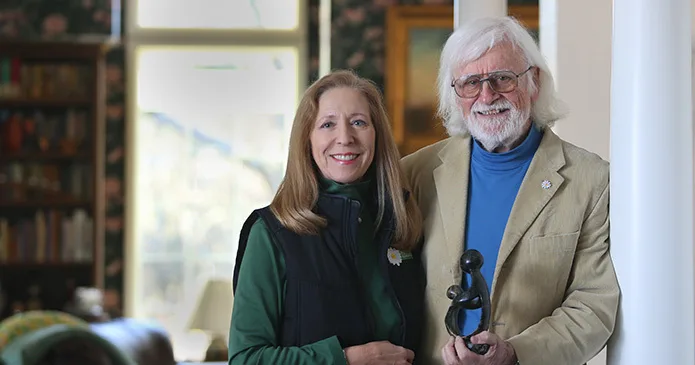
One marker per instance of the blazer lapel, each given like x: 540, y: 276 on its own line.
x: 451, y: 181
x: 541, y: 182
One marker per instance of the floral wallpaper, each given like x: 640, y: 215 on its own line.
x: 114, y: 240
x: 66, y: 20
x: 314, y: 46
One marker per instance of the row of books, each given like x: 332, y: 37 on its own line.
x: 21, y: 79
x: 62, y: 131
x: 21, y: 182
x: 52, y: 236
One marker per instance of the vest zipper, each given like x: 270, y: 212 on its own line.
x: 387, y: 278
x: 354, y: 248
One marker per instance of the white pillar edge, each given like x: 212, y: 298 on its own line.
x: 465, y: 10
x: 652, y: 182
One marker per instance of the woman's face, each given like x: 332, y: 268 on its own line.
x: 342, y: 138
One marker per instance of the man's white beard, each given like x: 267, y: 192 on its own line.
x: 497, y: 131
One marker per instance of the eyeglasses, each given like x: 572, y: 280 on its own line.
x: 500, y: 82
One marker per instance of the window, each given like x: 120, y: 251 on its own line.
x: 218, y: 14
x: 212, y: 98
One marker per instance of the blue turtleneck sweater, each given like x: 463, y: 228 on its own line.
x: 494, y: 181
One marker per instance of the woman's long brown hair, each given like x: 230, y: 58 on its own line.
x: 299, y: 191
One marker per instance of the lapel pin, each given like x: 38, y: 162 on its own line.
x: 546, y: 184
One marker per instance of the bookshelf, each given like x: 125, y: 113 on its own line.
x: 51, y: 167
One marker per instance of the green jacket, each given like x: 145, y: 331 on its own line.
x: 259, y: 298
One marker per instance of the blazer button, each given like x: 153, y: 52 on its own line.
x: 359, y: 219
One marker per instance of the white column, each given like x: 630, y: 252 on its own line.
x: 652, y: 182
x: 465, y: 10
x: 579, y: 56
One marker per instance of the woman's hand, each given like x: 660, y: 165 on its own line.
x: 378, y: 353
x: 501, y: 352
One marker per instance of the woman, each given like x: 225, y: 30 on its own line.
x: 328, y: 273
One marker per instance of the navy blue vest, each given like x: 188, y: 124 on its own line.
x: 324, y: 296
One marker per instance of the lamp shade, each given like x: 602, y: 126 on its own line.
x: 213, y: 312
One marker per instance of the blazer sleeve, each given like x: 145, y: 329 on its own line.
x: 578, y: 330
x: 258, y: 311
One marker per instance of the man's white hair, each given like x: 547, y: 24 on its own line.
x: 471, y: 41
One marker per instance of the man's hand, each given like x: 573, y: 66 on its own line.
x: 501, y: 352
x: 378, y: 353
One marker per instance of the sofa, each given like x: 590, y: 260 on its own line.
x: 144, y: 342
x: 129, y: 340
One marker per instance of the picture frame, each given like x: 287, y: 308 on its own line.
x: 415, y: 35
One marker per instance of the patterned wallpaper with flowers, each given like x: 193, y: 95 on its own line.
x: 66, y: 20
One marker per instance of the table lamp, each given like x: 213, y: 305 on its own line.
x: 213, y: 315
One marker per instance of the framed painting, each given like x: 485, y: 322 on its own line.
x: 415, y: 35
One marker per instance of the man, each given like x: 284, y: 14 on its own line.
x: 534, y: 205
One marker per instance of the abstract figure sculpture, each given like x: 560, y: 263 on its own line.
x: 475, y: 297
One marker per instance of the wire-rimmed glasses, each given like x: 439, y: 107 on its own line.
x: 500, y: 82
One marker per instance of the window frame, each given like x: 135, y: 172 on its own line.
x: 136, y: 37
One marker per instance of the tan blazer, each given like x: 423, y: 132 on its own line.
x: 554, y: 294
